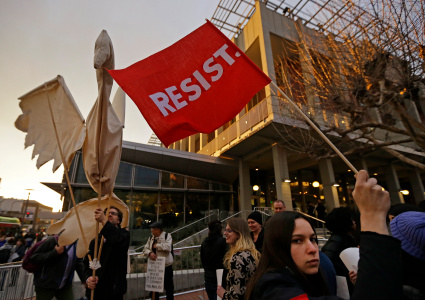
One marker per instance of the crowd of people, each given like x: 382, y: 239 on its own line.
x: 261, y: 258
x: 281, y: 260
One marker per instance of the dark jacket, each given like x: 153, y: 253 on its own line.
x: 376, y: 279
x: 260, y: 240
x: 54, y: 265
x: 112, y: 275
x: 333, y: 248
x: 213, y: 249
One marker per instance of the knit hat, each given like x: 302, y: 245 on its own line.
x: 256, y: 216
x: 409, y: 228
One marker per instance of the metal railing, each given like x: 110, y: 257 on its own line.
x: 187, y: 268
x: 15, y: 282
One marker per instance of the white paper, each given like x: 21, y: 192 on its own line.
x: 342, y: 287
x: 350, y: 257
x: 219, y: 273
x: 155, y: 275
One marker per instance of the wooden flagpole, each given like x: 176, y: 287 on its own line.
x: 66, y: 171
x: 317, y: 129
x: 96, y: 239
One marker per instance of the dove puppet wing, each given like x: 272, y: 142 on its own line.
x: 38, y: 122
x: 69, y: 228
x: 103, y: 145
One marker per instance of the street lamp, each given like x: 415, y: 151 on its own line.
x: 26, y: 204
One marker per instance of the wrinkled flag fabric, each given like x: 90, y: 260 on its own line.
x: 195, y: 85
x: 69, y: 229
x: 37, y: 121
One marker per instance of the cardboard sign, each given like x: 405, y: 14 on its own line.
x: 155, y: 275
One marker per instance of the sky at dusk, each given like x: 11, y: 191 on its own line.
x: 43, y: 39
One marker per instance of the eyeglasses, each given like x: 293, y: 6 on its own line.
x: 113, y: 213
x: 228, y: 230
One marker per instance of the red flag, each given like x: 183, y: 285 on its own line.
x: 195, y: 85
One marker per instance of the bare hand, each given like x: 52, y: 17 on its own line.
x: 100, y: 216
x: 353, y: 277
x: 373, y: 203
x: 59, y: 249
x: 152, y: 256
x: 220, y: 291
x: 91, y: 282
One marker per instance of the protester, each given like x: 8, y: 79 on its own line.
x: 2, y: 240
x: 321, y: 209
x: 279, y: 206
x: 18, y: 251
x: 241, y: 260
x: 110, y: 282
x: 290, y: 265
x: 255, y: 224
x: 160, y: 244
x: 400, y: 208
x: 340, y: 222
x: 55, y: 277
x: 409, y: 228
x: 213, y: 249
x: 5, y: 250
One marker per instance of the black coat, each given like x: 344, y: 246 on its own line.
x: 112, y: 282
x: 333, y: 248
x: 260, y: 240
x: 213, y: 249
x: 54, y: 264
x: 379, y: 275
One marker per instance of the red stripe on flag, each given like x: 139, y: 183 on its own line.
x: 195, y: 85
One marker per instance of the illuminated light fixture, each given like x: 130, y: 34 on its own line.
x: 315, y: 184
x: 348, y: 170
x: 375, y: 174
x: 287, y: 180
x: 255, y: 188
x: 257, y: 168
x: 405, y: 192
x: 335, y: 184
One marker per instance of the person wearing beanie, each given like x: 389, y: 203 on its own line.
x: 400, y: 208
x: 409, y: 228
x: 255, y: 224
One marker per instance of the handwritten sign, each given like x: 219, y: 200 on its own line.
x: 155, y: 275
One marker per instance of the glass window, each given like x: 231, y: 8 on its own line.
x: 221, y: 187
x: 83, y: 194
x: 146, y: 177
x: 143, y: 210
x: 196, y: 205
x: 195, y: 183
x: 171, y: 180
x: 171, y: 209
x: 124, y: 174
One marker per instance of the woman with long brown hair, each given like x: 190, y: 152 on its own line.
x: 290, y: 266
x: 240, y: 260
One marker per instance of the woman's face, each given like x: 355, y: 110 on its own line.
x: 231, y: 236
x: 304, y: 248
x: 254, y: 226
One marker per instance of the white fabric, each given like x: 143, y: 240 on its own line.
x: 71, y: 230
x: 102, y: 147
x: 37, y: 121
x: 118, y: 105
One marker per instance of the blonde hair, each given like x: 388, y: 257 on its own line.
x: 244, y: 242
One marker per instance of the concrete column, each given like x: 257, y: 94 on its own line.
x: 203, y: 140
x: 417, y: 186
x: 393, y: 185
x: 364, y: 165
x: 244, y: 186
x: 192, y: 139
x: 328, y: 179
x: 281, y: 172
